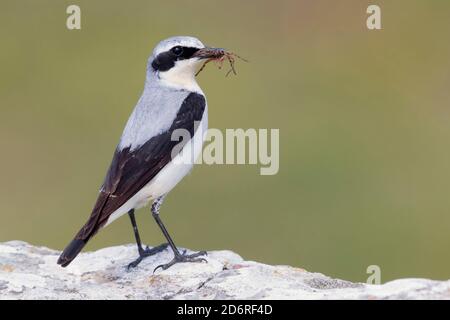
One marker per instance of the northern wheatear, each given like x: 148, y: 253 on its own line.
x: 143, y: 168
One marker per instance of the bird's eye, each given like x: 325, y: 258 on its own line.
x: 178, y: 51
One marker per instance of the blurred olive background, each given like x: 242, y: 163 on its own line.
x: 363, y: 116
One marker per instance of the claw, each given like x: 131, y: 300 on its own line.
x: 147, y: 253
x: 179, y: 258
x: 160, y: 266
x: 134, y: 264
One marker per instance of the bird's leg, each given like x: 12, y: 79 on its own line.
x: 143, y: 253
x: 178, y: 257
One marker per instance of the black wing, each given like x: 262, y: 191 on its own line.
x: 130, y: 171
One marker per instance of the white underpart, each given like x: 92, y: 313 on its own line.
x: 170, y: 175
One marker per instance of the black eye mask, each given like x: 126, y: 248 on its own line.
x: 166, y: 60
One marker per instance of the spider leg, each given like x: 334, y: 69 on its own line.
x: 245, y: 60
x: 231, y: 62
x: 202, y: 67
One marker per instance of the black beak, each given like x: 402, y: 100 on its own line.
x: 209, y: 53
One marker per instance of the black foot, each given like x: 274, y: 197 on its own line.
x: 147, y: 253
x: 183, y: 258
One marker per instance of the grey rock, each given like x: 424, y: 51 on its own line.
x: 29, y: 272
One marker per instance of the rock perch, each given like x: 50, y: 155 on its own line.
x: 29, y: 272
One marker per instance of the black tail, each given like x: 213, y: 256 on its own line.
x: 86, y: 232
x: 71, y: 251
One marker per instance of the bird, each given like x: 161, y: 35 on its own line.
x: 146, y: 166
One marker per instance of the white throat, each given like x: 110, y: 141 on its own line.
x: 181, y: 76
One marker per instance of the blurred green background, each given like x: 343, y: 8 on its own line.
x: 363, y: 116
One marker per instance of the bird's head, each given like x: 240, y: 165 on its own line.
x: 176, y: 60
